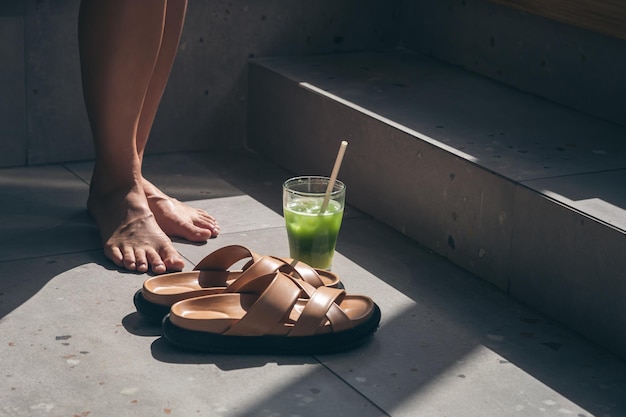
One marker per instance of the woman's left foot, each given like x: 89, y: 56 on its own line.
x: 177, y: 219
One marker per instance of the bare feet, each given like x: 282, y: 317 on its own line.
x: 130, y: 232
x: 177, y: 219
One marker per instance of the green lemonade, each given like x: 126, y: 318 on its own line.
x: 312, y: 237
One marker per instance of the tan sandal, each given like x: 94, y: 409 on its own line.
x: 274, y: 313
x: 212, y: 275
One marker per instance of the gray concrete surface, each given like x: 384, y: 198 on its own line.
x: 566, y: 64
x: 449, y: 344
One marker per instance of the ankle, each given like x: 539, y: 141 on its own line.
x: 152, y: 192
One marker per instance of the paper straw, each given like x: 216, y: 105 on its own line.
x: 333, y: 175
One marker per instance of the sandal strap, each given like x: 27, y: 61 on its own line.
x: 262, y: 267
x: 322, y: 307
x: 217, y: 264
x: 304, y: 271
x: 278, y: 295
x: 213, y: 268
x: 270, y: 308
x: 225, y: 257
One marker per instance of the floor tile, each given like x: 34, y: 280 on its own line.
x: 42, y: 212
x: 238, y: 217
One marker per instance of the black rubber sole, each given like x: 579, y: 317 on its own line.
x: 282, y: 345
x: 152, y: 312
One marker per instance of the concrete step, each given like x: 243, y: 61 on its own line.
x: 527, y: 194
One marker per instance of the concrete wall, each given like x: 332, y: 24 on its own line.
x: 571, y: 66
x: 12, y: 89
x: 42, y: 118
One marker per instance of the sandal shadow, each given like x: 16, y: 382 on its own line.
x: 164, y: 352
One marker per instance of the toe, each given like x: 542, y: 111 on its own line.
x: 207, y: 227
x: 196, y: 232
x: 114, y: 254
x: 156, y: 262
x: 172, y: 261
x: 141, y: 261
x: 129, y: 260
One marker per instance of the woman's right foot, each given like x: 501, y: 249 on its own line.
x: 131, y: 236
x: 178, y: 219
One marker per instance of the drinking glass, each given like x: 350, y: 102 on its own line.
x: 313, y: 234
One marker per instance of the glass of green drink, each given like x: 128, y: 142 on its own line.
x: 312, y: 234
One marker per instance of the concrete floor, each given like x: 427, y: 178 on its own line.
x: 449, y: 344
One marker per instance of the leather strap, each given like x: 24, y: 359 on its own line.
x: 264, y: 266
x: 304, y: 271
x: 223, y: 258
x: 314, y: 314
x: 279, y: 293
x: 269, y: 309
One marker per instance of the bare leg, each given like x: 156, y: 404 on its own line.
x: 119, y: 43
x: 175, y: 218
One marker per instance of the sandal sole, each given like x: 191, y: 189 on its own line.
x: 152, y: 312
x: 282, y: 345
